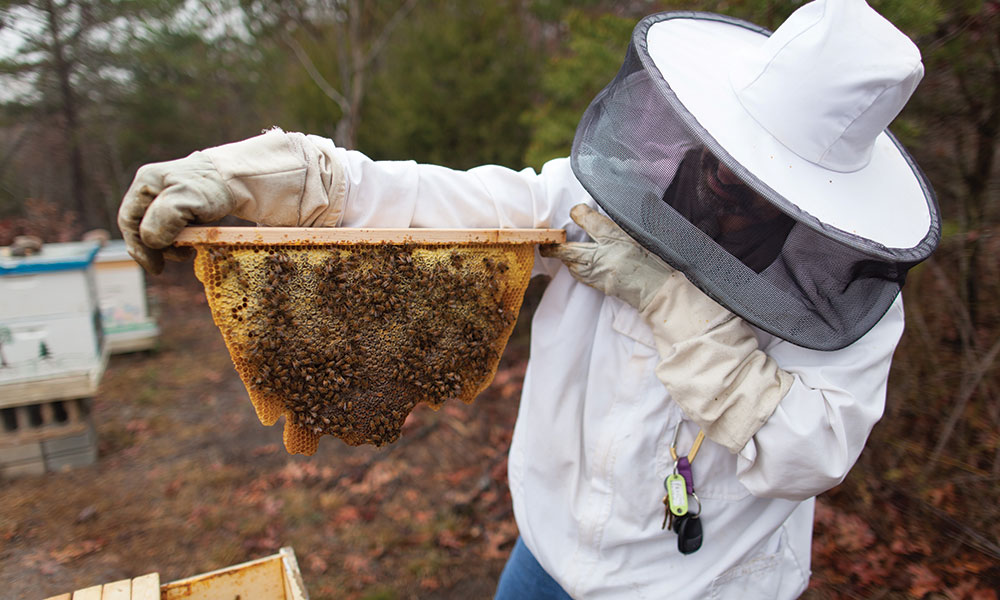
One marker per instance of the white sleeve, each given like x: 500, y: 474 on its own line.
x: 820, y: 427
x: 291, y: 178
x: 408, y: 194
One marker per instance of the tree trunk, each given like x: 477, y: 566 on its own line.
x: 977, y: 179
x: 69, y: 113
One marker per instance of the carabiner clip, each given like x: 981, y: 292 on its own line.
x: 673, y: 441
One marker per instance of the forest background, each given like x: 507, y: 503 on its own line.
x: 92, y: 89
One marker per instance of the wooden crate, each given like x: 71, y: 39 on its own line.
x: 274, y: 577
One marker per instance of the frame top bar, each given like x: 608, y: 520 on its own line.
x: 299, y: 236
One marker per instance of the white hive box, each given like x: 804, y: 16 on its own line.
x: 50, y: 331
x: 121, y: 292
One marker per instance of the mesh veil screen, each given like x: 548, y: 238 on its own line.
x: 671, y: 187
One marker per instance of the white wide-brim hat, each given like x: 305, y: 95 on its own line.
x: 801, y: 117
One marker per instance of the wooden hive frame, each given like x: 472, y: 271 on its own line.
x: 506, y: 258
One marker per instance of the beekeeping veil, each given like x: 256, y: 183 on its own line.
x: 761, y: 167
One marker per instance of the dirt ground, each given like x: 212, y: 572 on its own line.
x: 188, y: 481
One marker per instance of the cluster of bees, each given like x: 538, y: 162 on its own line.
x: 351, y: 338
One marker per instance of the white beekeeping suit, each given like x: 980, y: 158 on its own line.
x: 662, y: 319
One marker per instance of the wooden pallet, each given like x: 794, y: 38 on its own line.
x: 46, y: 436
x: 274, y: 577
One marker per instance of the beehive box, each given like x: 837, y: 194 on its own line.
x: 51, y: 341
x: 274, y: 577
x: 344, y: 331
x: 52, y: 355
x: 121, y: 290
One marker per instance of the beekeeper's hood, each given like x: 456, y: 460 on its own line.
x: 760, y: 165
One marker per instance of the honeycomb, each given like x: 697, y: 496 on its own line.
x: 345, y: 339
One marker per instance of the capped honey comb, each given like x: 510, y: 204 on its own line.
x: 345, y: 339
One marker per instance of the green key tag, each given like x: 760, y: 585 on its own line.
x: 677, y: 494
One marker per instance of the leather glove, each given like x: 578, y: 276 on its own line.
x: 163, y: 199
x: 709, y: 360
x: 278, y: 179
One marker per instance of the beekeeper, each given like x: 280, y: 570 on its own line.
x: 713, y: 347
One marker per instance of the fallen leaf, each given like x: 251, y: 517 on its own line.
x: 346, y: 515
x: 448, y: 539
x: 265, y: 449
x: 77, y: 550
x: 923, y: 580
x: 499, y: 541
x: 271, y: 506
x: 316, y: 564
x: 489, y: 497
x: 265, y: 543
x: 454, y: 411
x: 430, y: 583
x: 173, y: 487
x: 852, y: 533
x: 357, y: 564
x: 137, y: 426
x: 455, y: 478
x: 942, y: 495
x: 378, y: 475
x: 983, y: 594
x: 963, y: 567
x: 499, y: 472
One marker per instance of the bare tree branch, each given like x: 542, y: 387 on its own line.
x: 970, y: 382
x: 314, y: 74
x: 401, y: 13
x: 950, y: 33
x: 13, y: 147
x: 964, y: 319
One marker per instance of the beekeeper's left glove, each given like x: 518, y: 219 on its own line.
x: 709, y: 360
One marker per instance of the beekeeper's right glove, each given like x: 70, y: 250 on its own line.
x: 709, y: 359
x: 278, y: 179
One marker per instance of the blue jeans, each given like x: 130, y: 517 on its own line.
x: 524, y: 579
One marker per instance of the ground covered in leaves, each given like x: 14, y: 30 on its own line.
x: 188, y: 481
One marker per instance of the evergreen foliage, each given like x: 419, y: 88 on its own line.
x: 571, y: 78
x: 451, y: 90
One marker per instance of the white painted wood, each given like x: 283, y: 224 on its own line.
x: 117, y: 590
x: 295, y: 588
x: 146, y: 587
x: 121, y: 292
x: 91, y: 593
